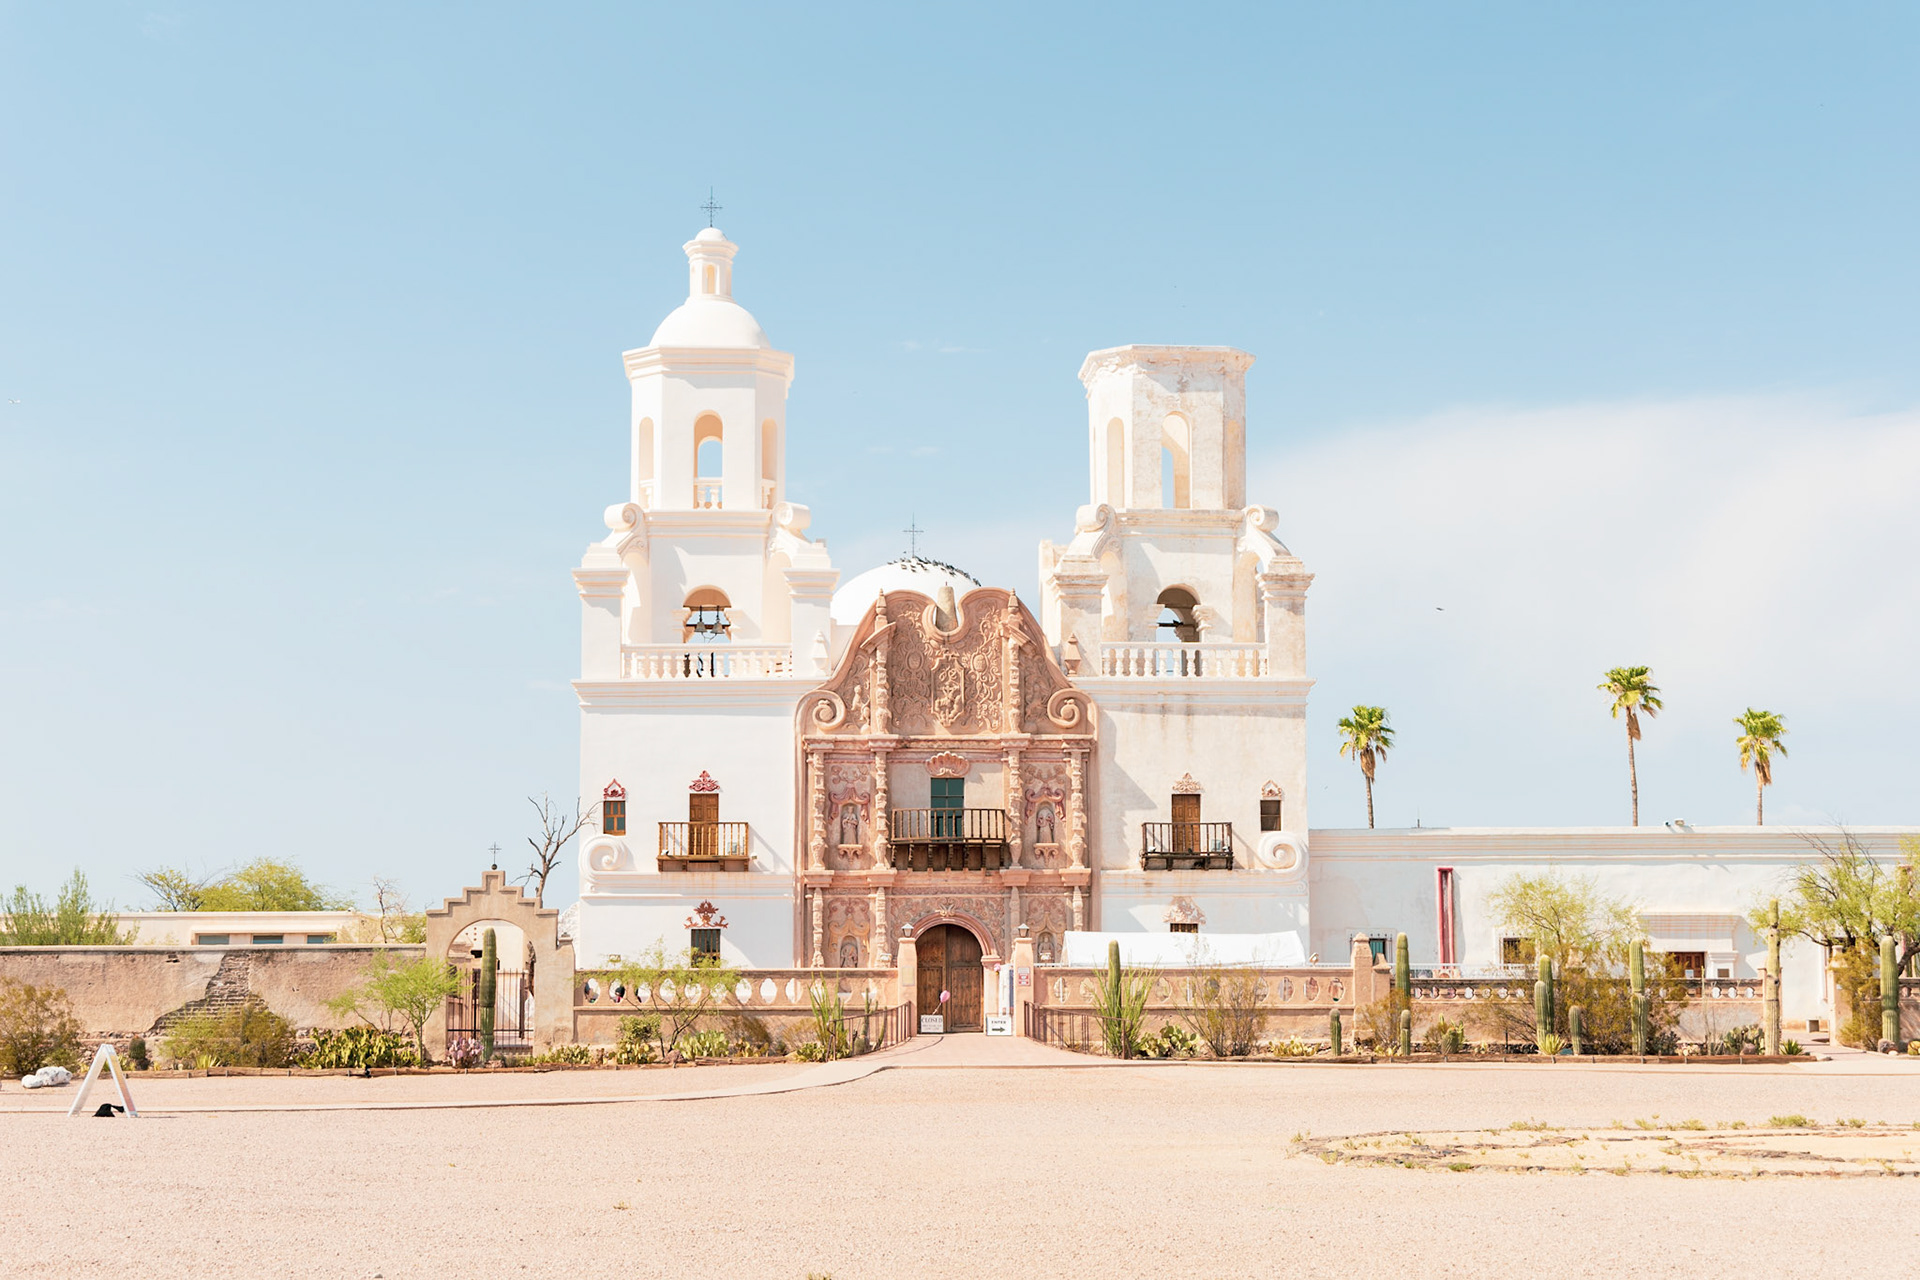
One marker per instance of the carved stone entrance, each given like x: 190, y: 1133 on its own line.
x: 949, y: 960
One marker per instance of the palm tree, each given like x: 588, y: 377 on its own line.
x: 1633, y: 693
x: 1760, y: 734
x: 1365, y: 735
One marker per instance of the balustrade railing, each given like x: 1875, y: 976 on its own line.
x: 948, y: 839
x: 1183, y: 661
x: 704, y: 846
x: 705, y: 662
x: 1186, y: 846
x: 706, y: 492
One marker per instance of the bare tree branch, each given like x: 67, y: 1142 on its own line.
x: 557, y: 827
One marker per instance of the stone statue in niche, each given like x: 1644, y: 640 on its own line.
x: 1043, y: 948
x: 1043, y: 825
x: 849, y: 823
x: 849, y: 953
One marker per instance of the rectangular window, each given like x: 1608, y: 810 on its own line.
x: 948, y: 799
x: 1691, y: 964
x: 269, y: 939
x: 1270, y: 815
x: 1177, y: 927
x: 1377, y: 948
x: 210, y: 940
x: 319, y: 939
x: 613, y: 817
x: 706, y: 945
x: 1516, y: 951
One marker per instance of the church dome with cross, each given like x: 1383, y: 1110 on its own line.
x: 908, y: 573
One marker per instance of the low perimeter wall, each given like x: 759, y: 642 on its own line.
x: 779, y: 1000
x: 121, y: 992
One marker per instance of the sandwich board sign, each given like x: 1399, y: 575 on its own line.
x: 104, y: 1056
x: 999, y: 1024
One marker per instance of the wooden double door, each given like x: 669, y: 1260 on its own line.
x: 949, y: 960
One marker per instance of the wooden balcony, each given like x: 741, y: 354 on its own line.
x: 949, y: 839
x: 704, y: 846
x: 1186, y: 846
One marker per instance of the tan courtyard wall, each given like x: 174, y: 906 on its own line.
x: 118, y: 992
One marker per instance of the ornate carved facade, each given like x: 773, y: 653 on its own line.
x: 945, y: 767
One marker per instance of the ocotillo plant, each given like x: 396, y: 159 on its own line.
x: 1637, y: 978
x: 1573, y: 1029
x: 1543, y: 997
x: 1889, y: 994
x: 1406, y: 1030
x: 1402, y: 970
x: 1333, y: 1029
x: 1770, y: 989
x: 489, y: 971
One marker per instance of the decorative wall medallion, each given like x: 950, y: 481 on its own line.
x: 709, y: 918
x: 1186, y: 786
x: 948, y: 764
x: 1185, y: 911
x: 614, y: 791
x: 1270, y: 791
x: 704, y: 782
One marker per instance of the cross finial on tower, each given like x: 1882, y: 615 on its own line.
x: 494, y: 849
x: 711, y: 207
x: 913, y: 532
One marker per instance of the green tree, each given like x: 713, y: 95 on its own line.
x: 411, y: 991
x: 1366, y: 736
x: 1568, y: 920
x: 73, y: 919
x: 266, y: 885
x: 1636, y: 695
x: 1846, y: 900
x: 37, y: 1029
x: 174, y: 889
x: 682, y: 987
x: 1759, y: 741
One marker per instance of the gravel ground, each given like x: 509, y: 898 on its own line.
x: 1183, y: 1169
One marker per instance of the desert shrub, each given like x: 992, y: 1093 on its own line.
x: 1120, y: 1001
x: 137, y: 1054
x: 1856, y: 971
x: 1447, y: 1036
x: 1292, y: 1047
x: 1379, y: 1022
x: 1550, y: 1044
x: 359, y: 1047
x: 682, y: 988
x: 812, y: 1051
x: 1173, y: 1041
x: 37, y: 1029
x: 408, y: 992
x: 463, y: 1052
x: 749, y: 1035
x: 563, y: 1055
x: 1223, y: 1010
x: 708, y: 1043
x: 249, y: 1035
x: 829, y: 1021
x: 634, y: 1044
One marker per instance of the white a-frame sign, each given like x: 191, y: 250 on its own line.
x: 105, y: 1057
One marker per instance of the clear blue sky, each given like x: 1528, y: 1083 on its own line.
x: 1586, y: 336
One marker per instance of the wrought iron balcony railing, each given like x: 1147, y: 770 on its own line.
x: 1186, y: 846
x: 704, y: 846
x: 948, y: 839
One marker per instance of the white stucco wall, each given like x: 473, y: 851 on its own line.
x: 758, y: 908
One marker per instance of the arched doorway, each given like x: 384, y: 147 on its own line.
x: 948, y: 959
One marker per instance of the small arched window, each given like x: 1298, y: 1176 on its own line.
x: 1179, y: 615
x: 706, y: 621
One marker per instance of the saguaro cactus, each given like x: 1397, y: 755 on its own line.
x: 1637, y: 978
x: 1770, y: 989
x: 1402, y: 970
x: 1889, y: 994
x: 489, y: 978
x: 1406, y: 1030
x: 1573, y: 1029
x: 1543, y: 997
x: 1333, y: 1029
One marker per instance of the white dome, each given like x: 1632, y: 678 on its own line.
x: 908, y: 573
x: 710, y: 322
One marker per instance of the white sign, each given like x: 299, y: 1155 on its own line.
x: 999, y: 1024
x: 933, y: 1024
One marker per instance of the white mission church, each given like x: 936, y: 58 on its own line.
x: 795, y: 770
